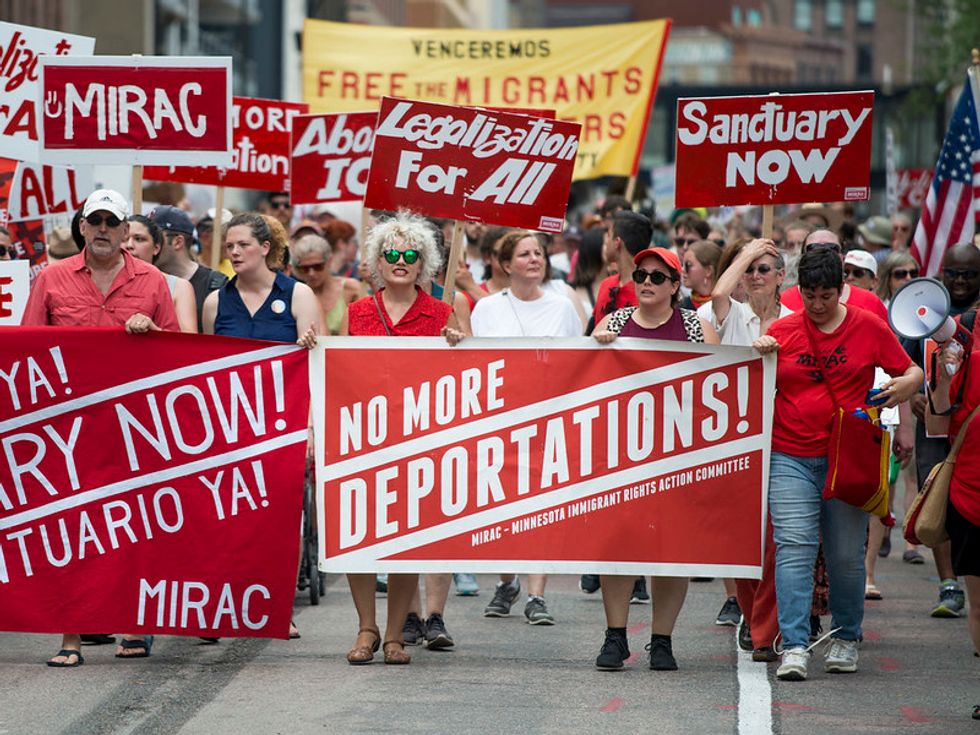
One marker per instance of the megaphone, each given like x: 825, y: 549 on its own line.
x: 921, y: 309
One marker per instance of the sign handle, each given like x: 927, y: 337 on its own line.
x: 455, y: 248
x: 362, y: 246
x: 630, y: 188
x: 216, y: 224
x: 138, y: 189
x: 767, y: 221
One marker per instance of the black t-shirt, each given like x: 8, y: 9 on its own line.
x: 204, y: 281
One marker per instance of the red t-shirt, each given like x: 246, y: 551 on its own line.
x: 858, y: 297
x: 964, y: 488
x: 625, y: 295
x: 424, y: 318
x: 804, y: 408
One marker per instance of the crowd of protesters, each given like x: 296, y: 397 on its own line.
x: 818, y: 281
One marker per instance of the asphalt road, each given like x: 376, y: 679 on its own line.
x: 917, y: 675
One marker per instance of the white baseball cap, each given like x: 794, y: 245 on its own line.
x: 107, y: 200
x: 862, y: 259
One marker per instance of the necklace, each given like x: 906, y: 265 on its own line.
x: 520, y: 324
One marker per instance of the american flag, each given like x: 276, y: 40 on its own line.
x: 950, y: 214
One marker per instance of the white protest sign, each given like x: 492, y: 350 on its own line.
x: 15, y: 282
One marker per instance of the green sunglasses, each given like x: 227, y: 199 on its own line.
x: 410, y: 256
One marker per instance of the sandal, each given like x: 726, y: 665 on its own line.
x: 871, y: 592
x: 976, y: 712
x: 913, y: 557
x: 396, y: 656
x: 144, y: 643
x: 67, y: 653
x: 363, y: 653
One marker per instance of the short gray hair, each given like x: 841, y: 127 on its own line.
x: 309, y: 245
x: 415, y: 233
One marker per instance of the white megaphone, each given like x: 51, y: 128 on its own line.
x: 920, y: 309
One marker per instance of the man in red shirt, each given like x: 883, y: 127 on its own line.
x: 827, y: 240
x: 103, y: 286
x: 627, y: 234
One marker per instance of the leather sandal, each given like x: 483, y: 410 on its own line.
x: 363, y: 653
x: 396, y: 655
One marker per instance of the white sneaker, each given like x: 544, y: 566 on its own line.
x: 842, y: 657
x: 793, y: 666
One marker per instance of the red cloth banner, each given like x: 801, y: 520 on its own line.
x: 260, y: 157
x: 913, y: 187
x: 465, y: 163
x: 645, y: 457
x: 773, y: 149
x: 149, y: 482
x: 330, y: 157
x: 136, y: 110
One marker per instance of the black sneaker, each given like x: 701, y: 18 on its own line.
x: 413, y: 632
x: 765, y: 655
x: 589, y: 583
x: 615, y: 650
x: 436, y: 635
x: 815, y: 628
x: 730, y: 613
x: 661, y: 654
x: 503, y: 597
x: 744, y: 636
x: 640, y: 595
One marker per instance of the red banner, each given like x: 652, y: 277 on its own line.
x: 469, y: 164
x: 650, y: 457
x: 260, y: 157
x: 170, y: 484
x: 775, y: 149
x: 913, y: 186
x: 136, y: 110
x: 330, y: 157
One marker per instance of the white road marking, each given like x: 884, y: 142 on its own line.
x: 754, y: 695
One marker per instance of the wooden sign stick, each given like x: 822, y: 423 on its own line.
x: 216, y: 225
x: 138, y: 189
x: 455, y: 247
x: 767, y: 221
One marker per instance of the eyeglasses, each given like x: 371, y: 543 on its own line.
x: 683, y: 241
x: 280, y: 204
x: 317, y: 267
x: 410, y: 256
x: 96, y: 220
x: 905, y: 273
x: 857, y: 272
x: 816, y: 247
x: 719, y: 242
x: 900, y: 228
x: 964, y: 273
x: 657, y: 278
x: 762, y: 269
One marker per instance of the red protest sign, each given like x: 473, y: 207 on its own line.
x: 172, y: 483
x: 913, y: 186
x: 624, y: 460
x: 136, y: 110
x: 260, y: 153
x: 774, y: 149
x: 330, y: 157
x: 469, y: 164
x: 21, y: 47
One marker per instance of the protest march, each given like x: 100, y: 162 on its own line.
x: 203, y: 411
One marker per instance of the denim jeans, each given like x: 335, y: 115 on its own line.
x: 800, y: 516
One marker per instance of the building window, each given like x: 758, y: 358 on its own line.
x: 866, y: 12
x: 736, y: 15
x: 753, y: 17
x: 803, y: 15
x: 865, y: 62
x: 834, y: 14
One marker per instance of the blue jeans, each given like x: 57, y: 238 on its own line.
x: 800, y: 516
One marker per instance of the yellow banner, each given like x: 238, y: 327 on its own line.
x: 603, y: 77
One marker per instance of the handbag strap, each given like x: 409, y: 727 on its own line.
x: 816, y: 356
x: 381, y: 316
x: 958, y: 442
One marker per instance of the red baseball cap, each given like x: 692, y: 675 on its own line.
x: 669, y: 258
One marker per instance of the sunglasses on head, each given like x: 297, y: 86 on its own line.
x: 853, y: 272
x: 816, y: 247
x: 410, y: 256
x: 96, y: 220
x: 761, y: 269
x: 317, y: 267
x: 905, y: 273
x: 682, y: 241
x: 656, y: 277
x: 966, y: 273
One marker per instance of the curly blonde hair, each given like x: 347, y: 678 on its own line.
x: 408, y: 230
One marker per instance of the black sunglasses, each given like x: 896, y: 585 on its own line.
x: 410, y: 256
x: 816, y: 247
x: 657, y: 278
x: 280, y: 204
x: 857, y: 272
x: 966, y: 273
x: 905, y: 273
x: 682, y: 241
x: 762, y: 268
x: 96, y: 220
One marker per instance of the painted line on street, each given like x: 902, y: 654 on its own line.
x: 754, y: 694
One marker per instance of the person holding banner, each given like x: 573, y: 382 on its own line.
x: 145, y: 242
x: 402, y: 256
x: 103, y: 286
x: 826, y: 344
x: 658, y: 280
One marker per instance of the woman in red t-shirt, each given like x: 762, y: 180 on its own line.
x: 402, y: 254
x: 827, y: 343
x: 963, y: 511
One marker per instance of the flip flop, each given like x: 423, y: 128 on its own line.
x: 144, y: 643
x: 66, y: 652
x: 871, y: 592
x: 293, y: 636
